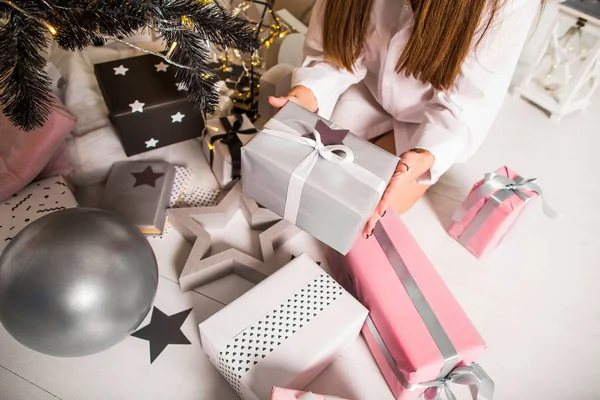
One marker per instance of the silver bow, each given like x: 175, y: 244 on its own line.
x: 501, y: 188
x: 470, y: 375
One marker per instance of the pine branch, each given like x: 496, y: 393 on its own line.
x: 23, y: 80
x: 213, y: 23
x: 200, y: 82
x: 24, y: 85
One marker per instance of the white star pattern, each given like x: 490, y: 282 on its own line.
x: 151, y: 143
x: 181, y: 86
x: 121, y: 70
x: 161, y: 67
x: 177, y: 117
x: 136, y: 106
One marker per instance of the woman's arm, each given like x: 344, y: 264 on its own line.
x: 457, y: 121
x: 319, y: 77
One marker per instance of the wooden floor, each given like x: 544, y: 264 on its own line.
x: 535, y: 299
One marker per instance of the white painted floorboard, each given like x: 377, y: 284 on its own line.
x: 534, y: 299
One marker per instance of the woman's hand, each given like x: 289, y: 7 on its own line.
x: 403, y: 190
x: 300, y: 95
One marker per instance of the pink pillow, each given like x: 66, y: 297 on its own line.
x: 23, y: 155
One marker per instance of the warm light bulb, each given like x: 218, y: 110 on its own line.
x: 172, y: 49
x: 52, y: 29
x: 548, y: 76
x: 213, y: 128
x: 210, y: 146
x: 570, y: 48
x: 554, y: 66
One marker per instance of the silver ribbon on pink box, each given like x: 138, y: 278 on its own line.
x: 501, y: 189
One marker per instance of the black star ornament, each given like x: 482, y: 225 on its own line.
x: 162, y: 331
x: 146, y: 177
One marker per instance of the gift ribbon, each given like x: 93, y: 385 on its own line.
x: 233, y: 142
x: 311, y: 396
x: 471, y: 375
x: 501, y: 188
x: 303, y: 169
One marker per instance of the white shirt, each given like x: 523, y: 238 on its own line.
x: 453, y: 123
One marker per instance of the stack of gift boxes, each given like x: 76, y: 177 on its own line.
x: 272, y: 341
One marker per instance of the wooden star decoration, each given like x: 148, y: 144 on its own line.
x: 193, y: 223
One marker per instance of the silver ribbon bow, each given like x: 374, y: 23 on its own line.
x: 470, y: 375
x: 303, y: 169
x: 501, y: 188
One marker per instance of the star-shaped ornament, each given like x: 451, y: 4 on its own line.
x: 151, y: 143
x: 121, y: 70
x: 136, y: 106
x: 206, y: 263
x: 329, y: 136
x: 177, y: 117
x: 146, y: 177
x: 161, y: 67
x: 162, y: 331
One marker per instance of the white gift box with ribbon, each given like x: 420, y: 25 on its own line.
x: 283, y: 332
x: 328, y: 184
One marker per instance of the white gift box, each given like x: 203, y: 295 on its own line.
x: 32, y: 202
x: 217, y: 152
x: 283, y: 332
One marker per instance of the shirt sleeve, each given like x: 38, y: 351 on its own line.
x: 325, y: 80
x: 457, y: 121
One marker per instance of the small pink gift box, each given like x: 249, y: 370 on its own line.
x: 492, y: 207
x: 288, y: 394
x: 418, y: 333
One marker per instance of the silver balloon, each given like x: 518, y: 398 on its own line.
x: 76, y: 282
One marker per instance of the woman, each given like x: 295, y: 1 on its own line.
x: 422, y: 78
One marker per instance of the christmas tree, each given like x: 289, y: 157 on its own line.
x: 187, y: 27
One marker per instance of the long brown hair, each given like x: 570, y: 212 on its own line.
x: 442, y: 35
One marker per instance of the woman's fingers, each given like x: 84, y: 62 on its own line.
x: 279, y: 102
x: 386, y: 200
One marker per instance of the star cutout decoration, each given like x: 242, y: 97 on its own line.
x: 136, y: 106
x: 151, y: 143
x: 121, y: 70
x: 199, y: 269
x: 329, y: 136
x: 162, y: 331
x: 177, y: 117
x: 181, y: 86
x: 146, y: 177
x: 161, y: 67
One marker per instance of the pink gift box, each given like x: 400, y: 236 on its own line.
x: 482, y: 221
x: 288, y: 394
x: 416, y: 329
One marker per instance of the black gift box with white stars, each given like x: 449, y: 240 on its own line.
x: 146, y: 104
